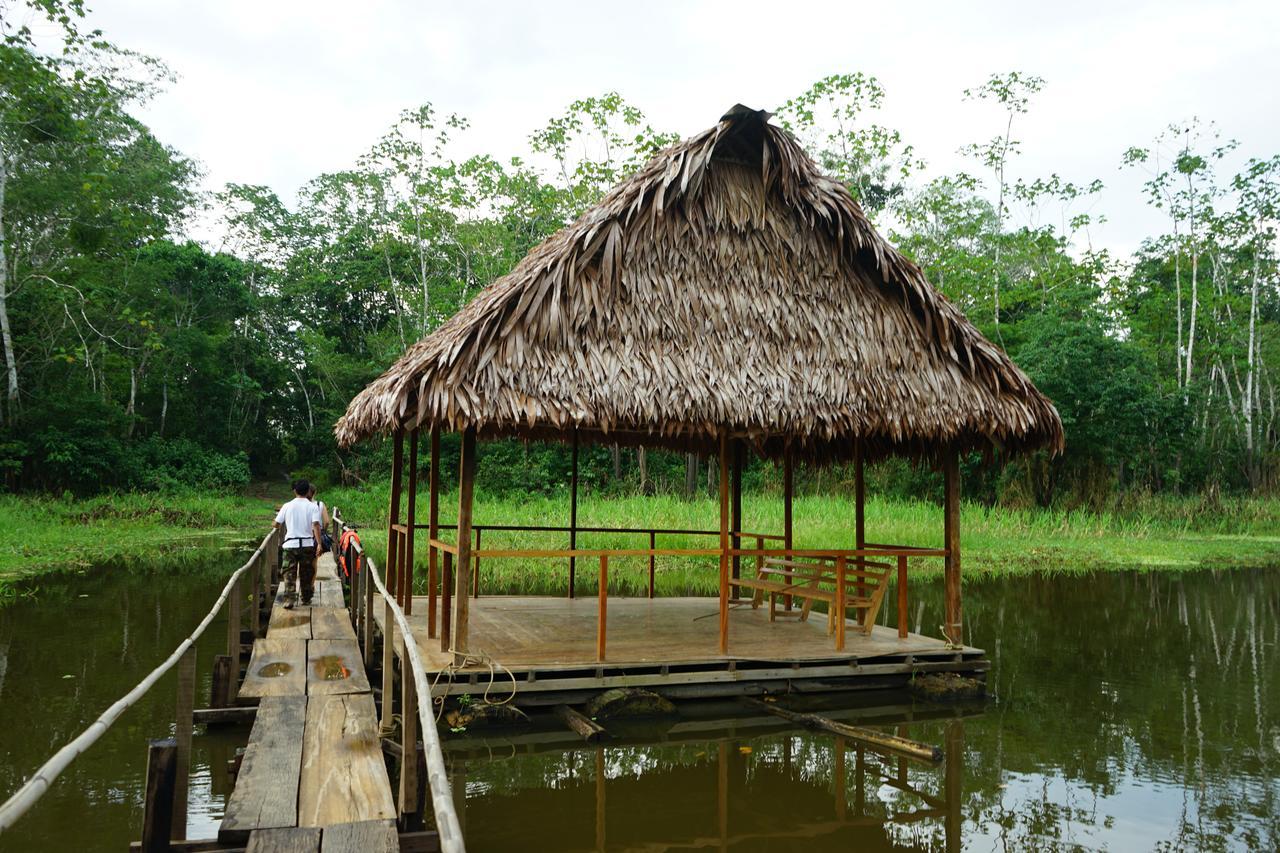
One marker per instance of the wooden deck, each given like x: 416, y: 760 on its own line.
x: 313, y: 776
x: 671, y: 645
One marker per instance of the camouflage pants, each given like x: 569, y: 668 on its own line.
x: 300, y: 563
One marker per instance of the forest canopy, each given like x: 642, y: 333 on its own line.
x: 137, y: 358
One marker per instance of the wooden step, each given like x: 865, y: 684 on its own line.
x: 266, y: 792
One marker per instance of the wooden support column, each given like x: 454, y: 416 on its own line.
x: 157, y: 808
x: 408, y: 739
x: 446, y: 601
x: 600, y: 800
x: 183, y: 722
x: 788, y: 489
x: 860, y: 521
x: 736, y: 499
x: 411, y: 517
x: 573, y: 512
x: 388, y: 668
x: 433, y: 531
x: 602, y: 608
x: 466, y: 492
x: 724, y: 543
x: 233, y: 641
x: 393, y: 512
x: 951, y: 515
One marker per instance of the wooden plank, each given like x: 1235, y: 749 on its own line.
x: 298, y: 839
x: 334, y: 666
x: 367, y: 836
x: 327, y: 566
x: 266, y: 792
x: 343, y: 778
x: 277, y: 668
x: 286, y: 840
x: 328, y: 623
x: 292, y: 624
x: 330, y: 595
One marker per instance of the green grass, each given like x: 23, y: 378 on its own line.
x: 1148, y: 533
x: 44, y: 535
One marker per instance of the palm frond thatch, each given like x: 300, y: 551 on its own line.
x: 727, y: 286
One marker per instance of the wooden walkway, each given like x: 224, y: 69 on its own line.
x: 313, y: 776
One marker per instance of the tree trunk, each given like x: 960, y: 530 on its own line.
x: 11, y: 364
x: 130, y: 409
x: 164, y: 403
x: 642, y: 462
x: 617, y: 463
x: 690, y: 475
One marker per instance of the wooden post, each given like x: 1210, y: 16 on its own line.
x: 475, y: 572
x: 255, y: 609
x: 860, y: 521
x: 366, y: 626
x: 722, y: 793
x: 951, y: 515
x: 446, y: 602
x: 724, y: 543
x: 839, y: 606
x: 388, y: 666
x: 466, y: 491
x: 233, y: 641
x: 788, y: 488
x: 182, y: 725
x: 902, y: 596
x: 408, y: 738
x: 157, y: 809
x: 220, y: 695
x: 736, y: 487
x: 573, y: 512
x: 603, y: 610
x: 393, y: 513
x: 411, y: 517
x: 653, y: 564
x: 433, y: 531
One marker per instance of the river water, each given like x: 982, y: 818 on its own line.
x: 1133, y: 711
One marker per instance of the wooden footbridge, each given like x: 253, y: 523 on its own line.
x: 314, y: 776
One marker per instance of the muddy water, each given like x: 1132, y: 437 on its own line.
x: 1135, y: 711
x: 73, y: 649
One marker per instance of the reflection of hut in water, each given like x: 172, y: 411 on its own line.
x: 728, y: 299
x: 718, y: 780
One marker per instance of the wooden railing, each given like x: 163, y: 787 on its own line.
x: 416, y: 702
x: 169, y: 760
x: 846, y: 562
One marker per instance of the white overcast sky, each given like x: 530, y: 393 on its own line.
x: 277, y: 92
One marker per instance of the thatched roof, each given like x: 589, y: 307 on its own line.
x: 728, y: 285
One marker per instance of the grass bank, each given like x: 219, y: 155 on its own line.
x: 41, y: 535
x: 1153, y: 533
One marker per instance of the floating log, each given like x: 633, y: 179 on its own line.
x: 590, y: 730
x: 628, y: 702
x: 872, y: 738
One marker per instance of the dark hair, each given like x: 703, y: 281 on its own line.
x: 301, y: 487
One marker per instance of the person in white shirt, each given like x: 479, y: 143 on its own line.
x: 301, y: 520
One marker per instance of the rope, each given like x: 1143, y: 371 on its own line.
x: 39, y: 783
x: 473, y: 659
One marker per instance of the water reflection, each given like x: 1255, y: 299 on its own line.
x: 1135, y: 711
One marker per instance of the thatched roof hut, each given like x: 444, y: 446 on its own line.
x: 727, y: 287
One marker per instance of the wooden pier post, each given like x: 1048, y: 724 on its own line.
x: 466, y: 492
x: 366, y: 625
x: 951, y: 516
x: 602, y: 613
x: 446, y: 602
x: 724, y: 543
x: 573, y: 512
x: 182, y: 725
x: 433, y: 531
x: 388, y: 667
x: 860, y: 521
x: 255, y: 610
x: 600, y: 800
x: 393, y: 513
x: 736, y: 500
x: 411, y: 517
x: 408, y: 738
x: 953, y: 779
x: 233, y: 641
x: 157, y: 809
x: 902, y: 596
x: 788, y: 489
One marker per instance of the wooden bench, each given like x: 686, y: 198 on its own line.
x: 814, y: 579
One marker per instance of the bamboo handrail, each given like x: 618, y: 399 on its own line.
x: 447, y: 825
x: 39, y: 783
